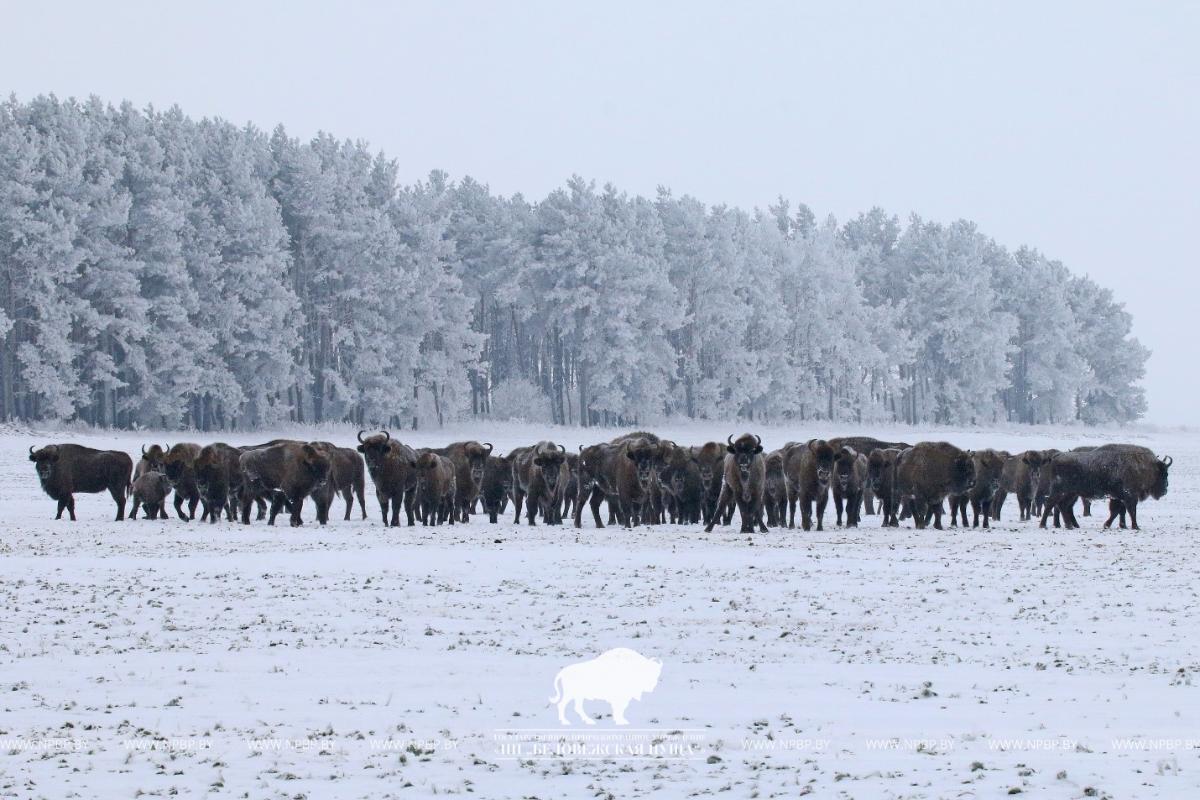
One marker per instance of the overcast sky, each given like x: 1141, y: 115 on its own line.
x: 1072, y: 127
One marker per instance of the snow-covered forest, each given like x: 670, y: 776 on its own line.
x: 159, y: 271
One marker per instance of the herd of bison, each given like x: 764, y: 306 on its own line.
x: 643, y: 478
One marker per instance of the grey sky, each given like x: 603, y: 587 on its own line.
x: 1072, y: 127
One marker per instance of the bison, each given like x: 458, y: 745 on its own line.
x: 1019, y: 476
x: 393, y: 468
x: 865, y: 445
x: 597, y: 479
x: 539, y: 478
x: 849, y: 483
x: 808, y: 468
x: 180, y: 465
x: 346, y: 477
x: 927, y: 473
x: 436, y: 489
x: 745, y: 479
x: 710, y: 460
x: 496, y: 486
x: 65, y: 469
x: 469, y: 459
x: 775, y: 492
x: 989, y: 467
x: 219, y: 480
x: 881, y: 478
x: 150, y: 492
x: 289, y: 471
x: 1124, y: 472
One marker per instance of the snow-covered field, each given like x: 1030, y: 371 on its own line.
x: 168, y: 658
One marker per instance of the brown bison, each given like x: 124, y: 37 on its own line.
x: 775, y: 492
x: 849, y: 483
x: 436, y: 489
x: 496, y: 487
x: 866, y: 445
x: 989, y: 467
x: 150, y: 491
x: 745, y: 479
x: 570, y: 493
x: 346, y: 477
x: 881, y: 477
x: 539, y: 478
x: 1124, y: 472
x: 597, y: 480
x: 151, y: 461
x: 65, y: 469
x: 1019, y: 477
x: 679, y: 484
x: 710, y: 461
x: 927, y: 473
x: 808, y: 469
x: 469, y: 459
x: 635, y: 480
x: 179, y: 463
x: 393, y: 468
x: 219, y: 480
x: 289, y: 471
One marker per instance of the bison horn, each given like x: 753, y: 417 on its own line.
x: 489, y: 447
x: 387, y: 436
x: 360, y: 436
x: 561, y: 448
x: 1168, y: 460
x: 730, y: 440
x: 758, y: 440
x: 30, y: 449
x: 581, y: 448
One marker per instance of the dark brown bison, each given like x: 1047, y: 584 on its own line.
x: 775, y: 491
x: 539, y: 478
x: 65, y: 469
x: 1019, y: 477
x: 151, y: 461
x: 219, y: 480
x: 346, y: 477
x: 745, y: 482
x: 849, y: 483
x: 289, y: 471
x: 881, y: 477
x: 496, y: 487
x: 179, y: 463
x: 150, y: 491
x: 866, y: 445
x: 1041, y: 482
x: 635, y: 480
x: 597, y: 480
x: 927, y: 473
x: 469, y: 459
x: 989, y: 467
x: 393, y: 468
x: 436, y: 489
x: 570, y: 493
x: 710, y: 461
x: 1124, y: 472
x: 679, y: 484
x: 808, y: 469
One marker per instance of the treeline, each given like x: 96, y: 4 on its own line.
x: 159, y: 271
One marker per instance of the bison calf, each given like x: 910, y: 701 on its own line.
x: 150, y: 492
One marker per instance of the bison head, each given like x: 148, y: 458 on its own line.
x: 843, y: 466
x: 374, y: 447
x: 44, y: 460
x: 1160, y: 478
x: 824, y: 457
x: 550, y: 460
x: 963, y: 473
x: 645, y: 459
x: 315, y: 462
x: 878, y: 464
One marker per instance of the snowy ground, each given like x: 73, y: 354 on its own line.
x: 168, y: 658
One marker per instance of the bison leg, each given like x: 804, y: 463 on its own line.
x: 133, y: 511
x: 597, y: 497
x: 837, y: 505
x: 518, y: 501
x: 1087, y: 507
x: 1130, y: 504
x: 383, y: 506
x: 822, y: 501
x: 297, y: 504
x: 348, y: 496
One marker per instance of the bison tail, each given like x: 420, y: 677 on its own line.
x: 557, y: 688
